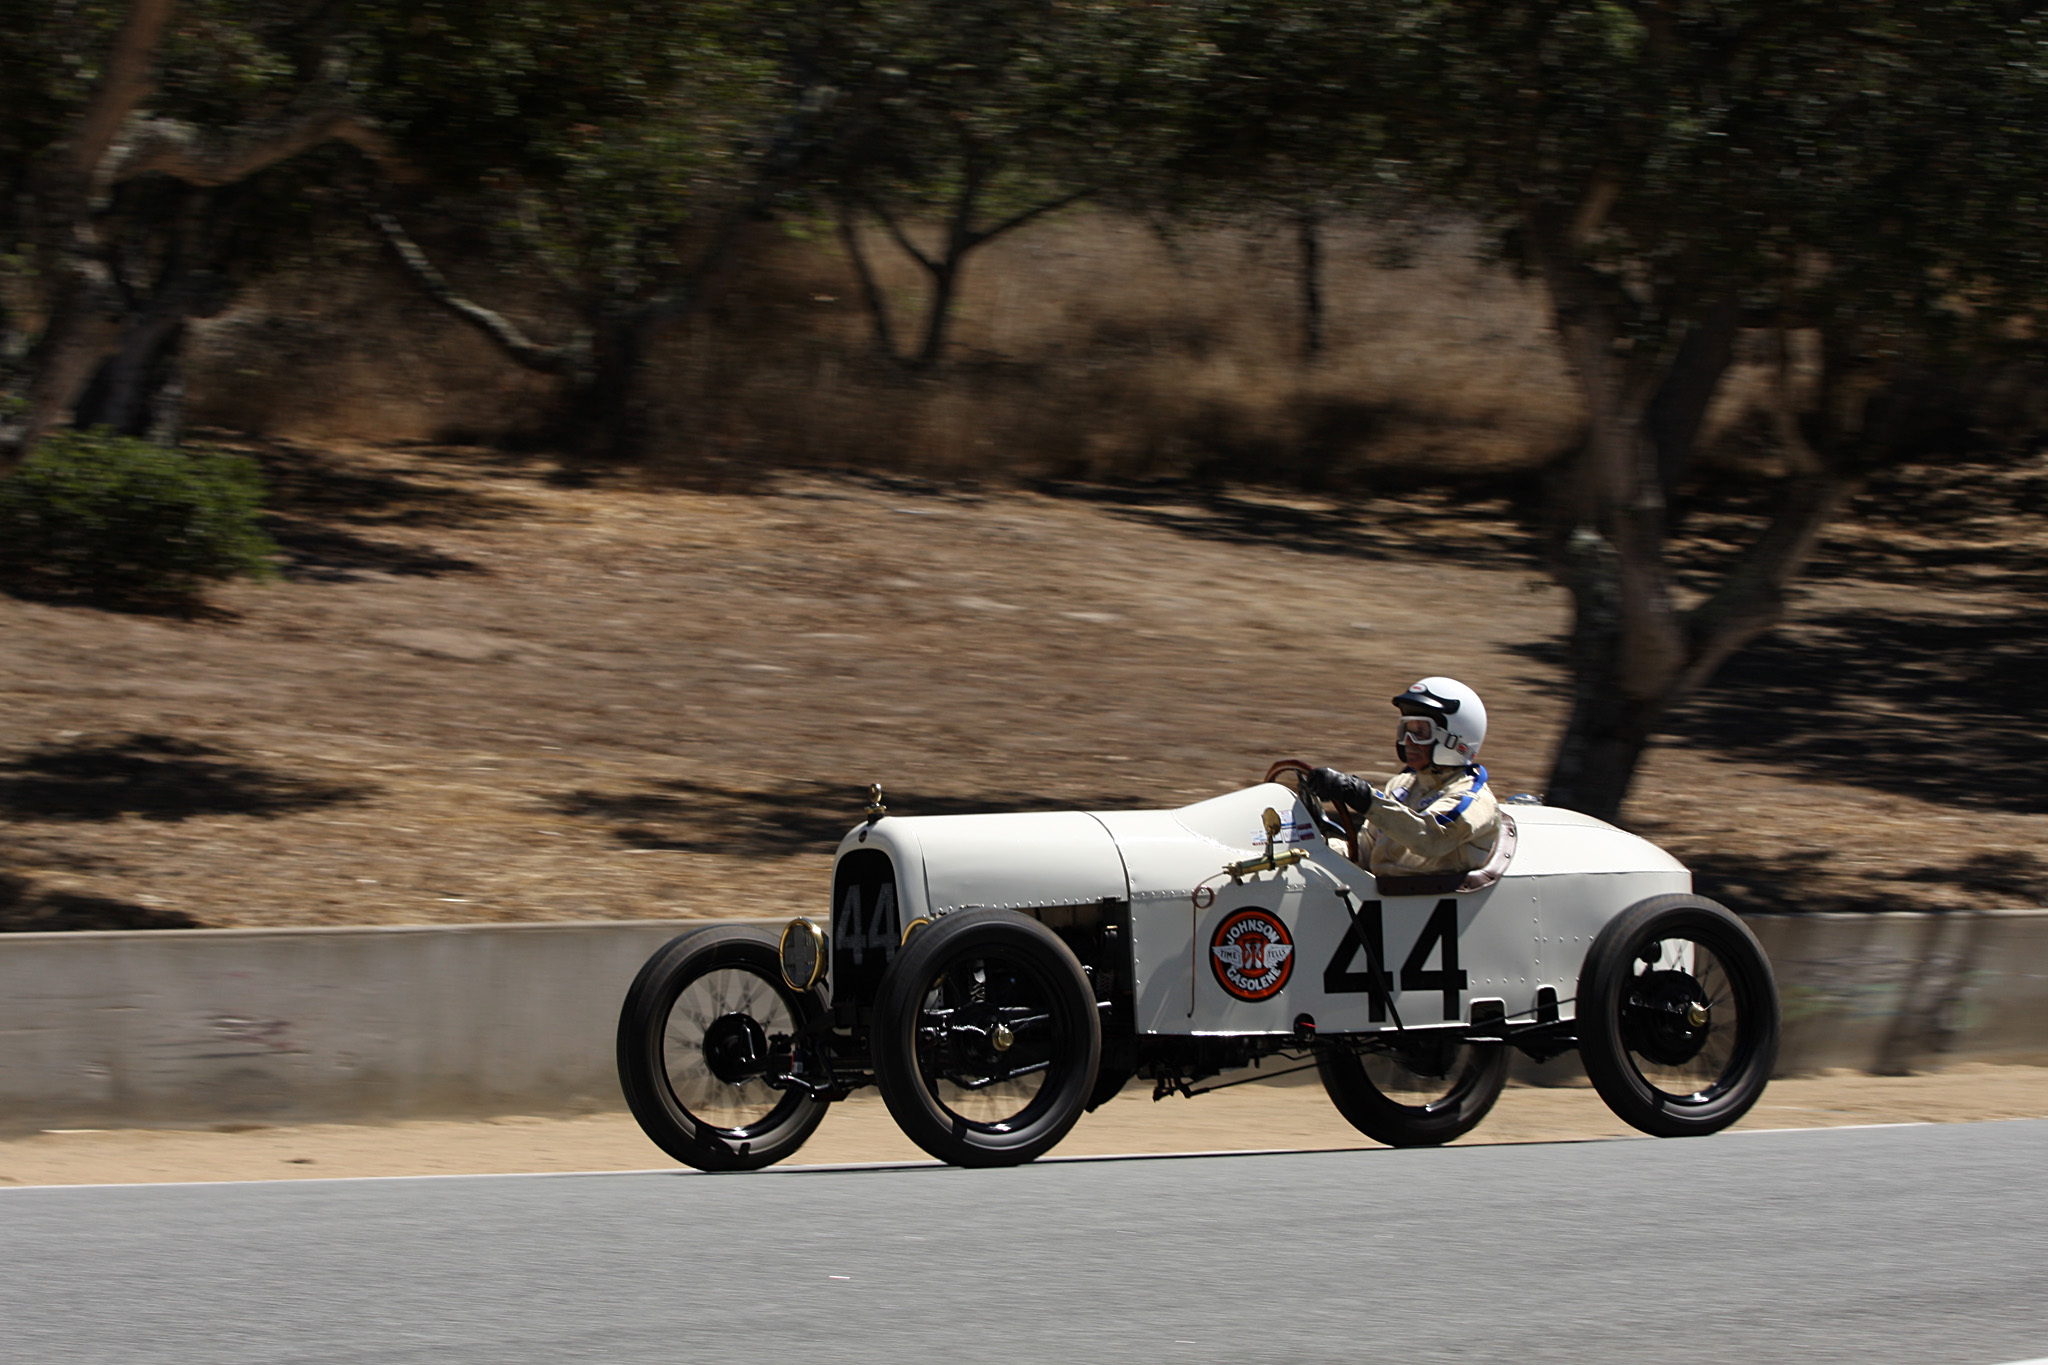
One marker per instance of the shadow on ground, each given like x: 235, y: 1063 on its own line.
x: 26, y: 909
x: 56, y: 592
x: 152, y: 777
x: 1946, y: 706
x: 325, y: 554
x: 320, y: 508
x: 1476, y: 521
x: 1947, y: 525
x: 690, y: 817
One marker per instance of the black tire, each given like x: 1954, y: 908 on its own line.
x: 957, y: 1087
x: 1416, y: 1091
x: 685, y: 1017
x: 1678, y: 1016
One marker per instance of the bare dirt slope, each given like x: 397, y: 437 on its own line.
x: 484, y: 695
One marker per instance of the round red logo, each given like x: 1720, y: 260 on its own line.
x: 1252, y: 954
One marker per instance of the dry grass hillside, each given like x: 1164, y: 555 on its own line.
x: 1088, y: 347
x: 480, y: 694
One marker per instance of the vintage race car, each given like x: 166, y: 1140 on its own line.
x: 994, y: 976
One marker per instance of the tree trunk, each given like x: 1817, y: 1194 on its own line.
x: 83, y: 328
x: 122, y: 394
x: 13, y: 345
x: 944, y: 280
x: 605, y: 416
x: 961, y: 238
x: 126, y: 391
x: 1307, y: 235
x: 870, y: 291
x: 1634, y: 654
x: 1612, y: 712
x: 1680, y: 407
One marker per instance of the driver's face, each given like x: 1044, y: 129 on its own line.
x: 1415, y: 739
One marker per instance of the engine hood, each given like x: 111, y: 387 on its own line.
x: 1560, y: 842
x: 1010, y: 862
x: 1034, y: 860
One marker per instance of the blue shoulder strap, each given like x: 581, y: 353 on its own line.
x: 1450, y: 817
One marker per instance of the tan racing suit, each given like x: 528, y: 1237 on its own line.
x: 1441, y: 819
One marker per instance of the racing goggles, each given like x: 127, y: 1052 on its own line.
x: 1416, y: 730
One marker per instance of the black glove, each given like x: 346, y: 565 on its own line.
x: 1327, y: 784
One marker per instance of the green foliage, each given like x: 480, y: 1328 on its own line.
x: 126, y: 521
x: 578, y: 143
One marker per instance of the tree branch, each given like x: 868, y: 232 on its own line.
x: 205, y: 157
x: 1594, y: 208
x: 572, y: 357
x: 1751, y: 598
x: 960, y: 237
x: 871, y: 293
x: 895, y: 230
x: 123, y: 87
x: 1020, y: 219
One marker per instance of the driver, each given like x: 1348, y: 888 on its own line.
x: 1436, y: 815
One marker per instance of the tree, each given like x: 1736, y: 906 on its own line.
x: 1277, y: 134
x: 574, y: 141
x: 610, y: 157
x: 212, y: 100
x: 978, y: 118
x: 1676, y: 171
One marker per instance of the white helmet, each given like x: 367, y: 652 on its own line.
x: 1456, y: 716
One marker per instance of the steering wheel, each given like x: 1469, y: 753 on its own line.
x: 1347, y: 819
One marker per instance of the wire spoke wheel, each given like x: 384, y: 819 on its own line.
x: 705, y: 1027
x: 1413, y: 1091
x: 1681, y: 1020
x: 1425, y: 1074
x: 986, y: 1039
x: 1678, y: 1016
x: 718, y: 1023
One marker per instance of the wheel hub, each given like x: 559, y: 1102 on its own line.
x: 1666, y: 1017
x: 735, y: 1048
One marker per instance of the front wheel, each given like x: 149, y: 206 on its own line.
x: 1678, y: 1016
x: 1413, y: 1091
x: 704, y: 1026
x: 986, y: 1039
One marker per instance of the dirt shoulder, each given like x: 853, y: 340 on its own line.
x: 1291, y: 1115
x: 482, y: 694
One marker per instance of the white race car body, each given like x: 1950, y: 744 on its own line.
x: 1276, y: 951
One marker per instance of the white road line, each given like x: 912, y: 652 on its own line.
x: 826, y: 1168
x: 6, y: 1190
x: 1843, y: 1128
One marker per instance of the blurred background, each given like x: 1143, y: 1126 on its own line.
x: 533, y: 461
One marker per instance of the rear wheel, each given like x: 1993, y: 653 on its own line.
x: 986, y: 1039
x: 705, y: 1023
x: 1678, y: 1016
x: 1414, y: 1091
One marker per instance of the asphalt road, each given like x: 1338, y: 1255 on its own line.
x: 1921, y: 1244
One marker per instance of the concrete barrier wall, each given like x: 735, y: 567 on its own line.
x: 1896, y: 993
x: 199, y: 1027
x: 181, y: 1027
